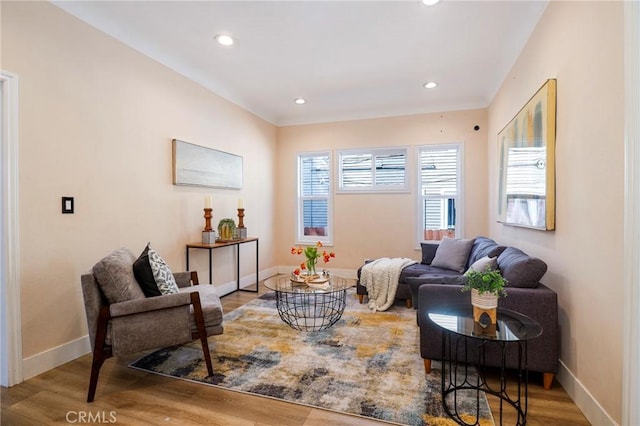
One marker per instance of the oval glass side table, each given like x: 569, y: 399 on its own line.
x: 464, y: 344
x: 310, y: 307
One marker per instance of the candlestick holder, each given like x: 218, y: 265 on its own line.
x: 208, y: 234
x: 241, y: 231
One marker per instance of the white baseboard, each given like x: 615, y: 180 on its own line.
x: 589, y: 406
x: 54, y: 357
x: 247, y: 281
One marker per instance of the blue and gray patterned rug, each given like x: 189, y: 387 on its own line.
x: 367, y: 364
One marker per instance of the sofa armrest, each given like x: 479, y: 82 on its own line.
x: 538, y: 303
x: 137, y: 306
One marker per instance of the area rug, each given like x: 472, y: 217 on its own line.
x: 368, y: 364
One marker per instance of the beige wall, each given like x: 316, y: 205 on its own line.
x: 97, y: 118
x: 376, y: 225
x: 96, y: 123
x: 580, y: 44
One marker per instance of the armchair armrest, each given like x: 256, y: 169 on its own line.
x: 185, y: 279
x: 137, y: 306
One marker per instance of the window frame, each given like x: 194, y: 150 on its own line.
x: 373, y: 188
x: 301, y: 238
x: 459, y: 198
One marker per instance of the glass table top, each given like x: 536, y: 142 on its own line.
x: 511, y: 326
x: 283, y: 283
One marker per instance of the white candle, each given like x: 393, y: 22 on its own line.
x: 207, y: 202
x: 240, y: 203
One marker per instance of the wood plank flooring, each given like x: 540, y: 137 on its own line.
x: 130, y: 397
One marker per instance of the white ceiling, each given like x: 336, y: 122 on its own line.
x: 349, y: 59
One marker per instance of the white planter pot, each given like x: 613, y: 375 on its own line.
x: 484, y: 301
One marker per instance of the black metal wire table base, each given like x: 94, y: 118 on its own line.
x: 309, y: 311
x: 456, y: 377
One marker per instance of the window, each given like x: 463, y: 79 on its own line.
x: 314, y: 198
x: 373, y: 170
x: 439, y: 188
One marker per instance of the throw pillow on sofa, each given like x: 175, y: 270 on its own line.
x: 144, y: 274
x: 452, y: 253
x: 484, y: 264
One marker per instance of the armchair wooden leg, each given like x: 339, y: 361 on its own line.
x: 100, y: 351
x: 361, y: 298
x: 427, y: 366
x: 98, y: 360
x: 547, y: 380
x: 202, y: 330
x: 408, y: 302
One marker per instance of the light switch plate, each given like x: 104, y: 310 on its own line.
x: 67, y: 205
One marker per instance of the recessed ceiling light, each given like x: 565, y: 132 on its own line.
x: 225, y: 40
x: 430, y: 2
x: 430, y: 85
x: 300, y: 101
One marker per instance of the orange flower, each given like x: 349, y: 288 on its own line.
x: 312, y: 255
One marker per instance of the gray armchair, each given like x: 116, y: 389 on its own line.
x: 143, y: 323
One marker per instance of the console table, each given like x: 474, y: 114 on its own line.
x: 217, y: 245
x: 462, y: 337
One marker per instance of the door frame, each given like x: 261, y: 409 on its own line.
x: 10, y: 303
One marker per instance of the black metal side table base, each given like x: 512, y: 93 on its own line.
x: 457, y: 377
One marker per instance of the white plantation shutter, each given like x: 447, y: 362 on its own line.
x: 439, y: 186
x: 314, y: 190
x: 373, y: 170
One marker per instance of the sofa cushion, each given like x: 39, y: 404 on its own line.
x: 436, y: 279
x: 162, y: 274
x: 211, y: 305
x: 483, y: 246
x: 115, y: 277
x: 484, y: 264
x: 144, y: 274
x: 452, y: 254
x: 419, y: 269
x: 520, y: 269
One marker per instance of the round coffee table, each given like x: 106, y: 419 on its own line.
x: 310, y: 307
x: 462, y: 337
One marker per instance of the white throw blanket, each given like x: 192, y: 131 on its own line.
x: 380, y: 278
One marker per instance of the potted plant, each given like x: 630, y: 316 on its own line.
x: 486, y: 287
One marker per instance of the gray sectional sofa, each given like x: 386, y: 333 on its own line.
x: 437, y: 281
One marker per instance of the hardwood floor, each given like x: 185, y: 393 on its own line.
x: 130, y: 397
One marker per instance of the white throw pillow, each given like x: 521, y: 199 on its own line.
x: 162, y: 274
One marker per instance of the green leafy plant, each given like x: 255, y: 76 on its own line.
x: 490, y: 281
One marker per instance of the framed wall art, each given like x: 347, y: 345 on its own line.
x: 201, y: 166
x: 526, y: 163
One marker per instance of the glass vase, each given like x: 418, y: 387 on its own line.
x: 311, y: 266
